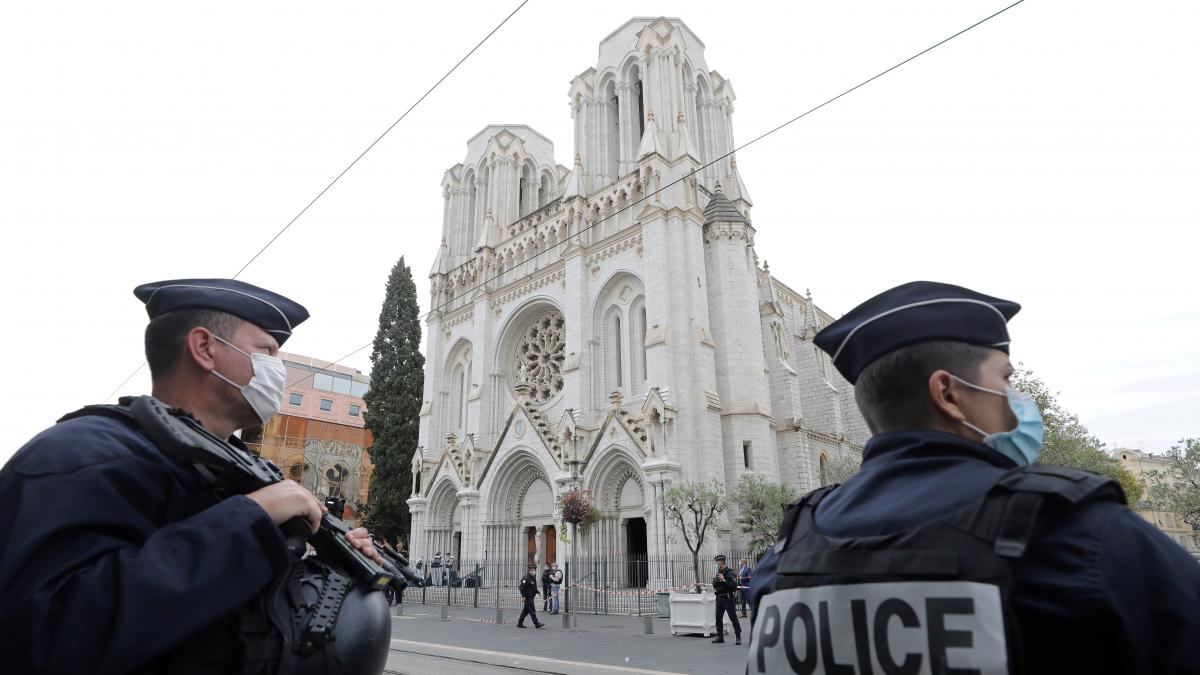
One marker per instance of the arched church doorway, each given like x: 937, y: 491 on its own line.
x: 635, y: 544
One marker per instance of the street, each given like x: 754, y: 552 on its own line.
x: 470, y: 642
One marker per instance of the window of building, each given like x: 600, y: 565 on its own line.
x: 359, y: 389
x: 323, y: 382
x: 746, y: 462
x: 355, y: 410
x: 326, y: 404
x: 296, y: 399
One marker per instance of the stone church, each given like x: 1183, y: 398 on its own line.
x: 610, y: 324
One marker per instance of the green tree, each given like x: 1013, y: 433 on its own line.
x: 840, y: 468
x: 760, y: 505
x: 394, y: 404
x: 1068, y: 442
x: 1178, y: 488
x: 693, y: 508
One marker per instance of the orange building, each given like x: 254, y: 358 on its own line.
x: 318, y: 437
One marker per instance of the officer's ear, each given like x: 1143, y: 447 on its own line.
x: 198, y: 347
x: 945, y: 399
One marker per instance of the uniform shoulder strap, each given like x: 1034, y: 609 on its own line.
x: 119, y: 412
x: 792, y: 514
x: 1012, y: 511
x: 1072, y: 486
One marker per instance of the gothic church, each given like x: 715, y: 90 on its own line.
x: 578, y: 340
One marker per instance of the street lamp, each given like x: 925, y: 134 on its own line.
x: 574, y: 464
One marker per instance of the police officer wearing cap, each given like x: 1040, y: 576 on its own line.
x: 950, y: 551
x: 115, y: 558
x: 725, y: 587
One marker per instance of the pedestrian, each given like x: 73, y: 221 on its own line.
x: 546, y: 588
x: 951, y: 535
x: 725, y: 586
x: 556, y: 579
x: 529, y: 589
x: 744, y: 575
x: 117, y: 557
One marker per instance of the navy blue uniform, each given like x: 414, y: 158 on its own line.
x: 114, y: 558
x: 1101, y: 591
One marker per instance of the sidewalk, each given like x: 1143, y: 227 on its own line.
x: 600, y: 643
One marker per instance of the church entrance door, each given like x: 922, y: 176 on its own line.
x: 635, y: 546
x: 551, y: 545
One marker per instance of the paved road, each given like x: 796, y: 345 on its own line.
x: 470, y: 643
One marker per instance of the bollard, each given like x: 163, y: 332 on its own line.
x: 499, y: 616
x: 445, y: 613
x: 647, y: 625
x: 400, y: 609
x: 566, y: 620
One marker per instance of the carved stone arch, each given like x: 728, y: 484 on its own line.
x: 613, y: 355
x: 613, y: 468
x: 505, y: 489
x: 443, y: 500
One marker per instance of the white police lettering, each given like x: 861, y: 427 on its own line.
x: 901, y: 628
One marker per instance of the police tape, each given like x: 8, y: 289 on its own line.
x: 608, y: 591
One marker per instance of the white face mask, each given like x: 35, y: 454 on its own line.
x: 264, y: 391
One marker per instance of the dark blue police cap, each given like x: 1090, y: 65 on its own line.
x: 919, y: 311
x: 269, y: 311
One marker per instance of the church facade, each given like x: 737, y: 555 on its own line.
x: 610, y: 326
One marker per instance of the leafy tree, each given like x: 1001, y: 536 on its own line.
x: 1068, y: 442
x: 839, y: 469
x: 693, y: 508
x: 394, y: 404
x: 760, y: 505
x: 1177, y: 489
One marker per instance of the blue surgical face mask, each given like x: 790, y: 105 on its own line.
x: 1022, y: 444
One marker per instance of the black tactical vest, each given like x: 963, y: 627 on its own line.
x: 312, y: 620
x: 933, y: 599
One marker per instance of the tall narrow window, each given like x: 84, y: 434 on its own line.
x: 746, y: 456
x: 613, y: 142
x: 617, y: 343
x: 641, y: 339
x: 640, y: 124
x: 456, y: 397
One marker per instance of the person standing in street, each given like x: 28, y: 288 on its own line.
x: 725, y: 585
x: 556, y: 579
x: 546, y: 588
x: 744, y: 584
x: 529, y: 590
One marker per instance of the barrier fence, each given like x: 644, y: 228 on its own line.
x: 626, y: 585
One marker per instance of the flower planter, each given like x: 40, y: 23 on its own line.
x: 693, y: 613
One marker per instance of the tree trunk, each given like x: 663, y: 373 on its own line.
x: 696, y: 569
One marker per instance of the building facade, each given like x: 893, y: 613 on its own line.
x: 318, y: 438
x: 610, y: 325
x: 1144, y: 466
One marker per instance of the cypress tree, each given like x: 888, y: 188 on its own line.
x: 394, y: 404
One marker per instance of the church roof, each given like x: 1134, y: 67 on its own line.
x: 721, y: 210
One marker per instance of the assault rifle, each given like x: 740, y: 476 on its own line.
x: 233, y: 471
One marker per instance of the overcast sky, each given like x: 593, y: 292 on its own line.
x: 1050, y: 156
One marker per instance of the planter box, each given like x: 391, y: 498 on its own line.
x: 693, y: 613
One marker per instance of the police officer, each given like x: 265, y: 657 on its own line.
x: 949, y: 551
x: 115, y: 558
x: 529, y: 590
x: 726, y: 587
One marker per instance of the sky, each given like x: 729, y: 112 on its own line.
x: 1050, y: 156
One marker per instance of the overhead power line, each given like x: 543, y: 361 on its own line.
x: 347, y: 169
x: 376, y: 141
x: 731, y: 152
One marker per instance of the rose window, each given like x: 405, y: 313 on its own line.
x: 539, y: 357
